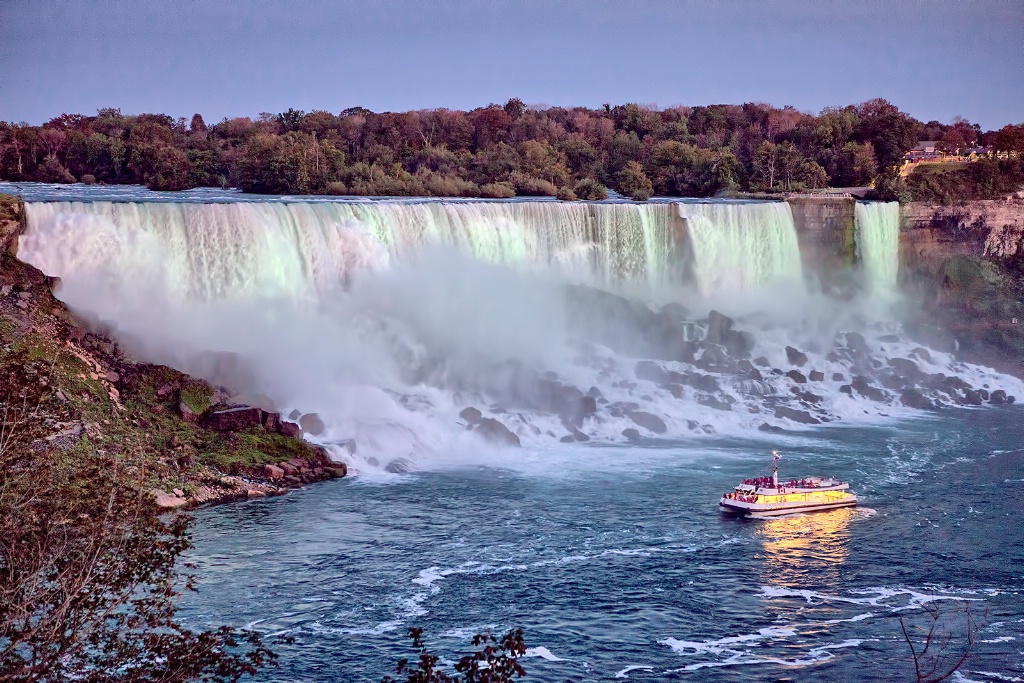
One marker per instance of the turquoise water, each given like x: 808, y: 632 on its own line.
x: 617, y: 563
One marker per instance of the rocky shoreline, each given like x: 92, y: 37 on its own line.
x: 67, y: 389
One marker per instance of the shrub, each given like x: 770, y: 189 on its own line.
x: 634, y: 182
x: 337, y: 188
x: 566, y: 194
x: 88, y: 179
x: 529, y: 186
x: 590, y: 189
x: 497, y: 191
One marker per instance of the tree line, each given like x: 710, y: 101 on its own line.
x: 494, y: 151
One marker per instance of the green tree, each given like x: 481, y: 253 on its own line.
x: 634, y: 183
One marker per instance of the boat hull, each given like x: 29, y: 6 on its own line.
x: 762, y: 510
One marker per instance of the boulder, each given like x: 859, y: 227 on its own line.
x: 816, y: 376
x: 972, y: 397
x: 567, y: 439
x: 648, y: 421
x: 701, y: 382
x: 399, y: 466
x: 497, y: 433
x: 594, y: 393
x: 273, y: 472
x: 797, y: 376
x: 912, y: 398
x: 674, y: 312
x: 801, y: 416
x: 922, y: 354
x: 857, y: 342
x: 738, y: 342
x: 862, y: 387
x: 234, y: 419
x: 837, y: 377
x: 471, y: 415
x: 904, y: 367
x: 312, y: 424
x: 718, y: 326
x: 762, y: 362
x: 807, y: 397
x: 797, y: 358
x: 337, y: 470
x: 631, y: 433
x: 580, y: 436
x: 289, y: 469
x: 846, y: 389
x: 271, y: 421
x: 998, y: 397
x: 289, y: 429
x: 771, y: 429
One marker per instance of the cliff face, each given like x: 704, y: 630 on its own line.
x: 965, y: 264
x: 825, y: 229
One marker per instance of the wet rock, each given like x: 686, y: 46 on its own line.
x: 399, y: 466
x: 762, y: 362
x: 337, y: 470
x: 864, y: 388
x: 998, y: 397
x: 816, y: 376
x: 567, y: 439
x: 889, y: 338
x: 692, y: 425
x: 471, y: 415
x: 771, y: 429
x: 718, y: 326
x: 797, y: 358
x: 675, y: 389
x: 801, y: 416
x: 797, y: 376
x: 648, y: 421
x: 580, y: 436
x: 972, y: 397
x: 312, y: 424
x: 904, y: 367
x: 234, y: 419
x: 846, y: 389
x: 701, y: 382
x: 807, y: 397
x: 755, y: 375
x: 913, y: 398
x: 713, y: 356
x: 497, y: 433
x: 837, y: 377
x: 594, y: 393
x: 294, y: 415
x: 922, y: 354
x: 713, y: 402
x: 857, y: 342
x: 631, y: 433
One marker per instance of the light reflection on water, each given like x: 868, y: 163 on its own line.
x: 798, y: 545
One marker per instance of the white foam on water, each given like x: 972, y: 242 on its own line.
x: 624, y: 673
x: 875, y: 596
x: 543, y: 653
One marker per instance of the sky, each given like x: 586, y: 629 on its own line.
x: 935, y: 59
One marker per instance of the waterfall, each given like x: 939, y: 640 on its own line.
x: 210, y: 251
x: 878, y: 242
x: 741, y: 247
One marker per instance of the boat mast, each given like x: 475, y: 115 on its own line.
x: 775, y: 469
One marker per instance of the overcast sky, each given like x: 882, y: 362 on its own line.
x: 935, y: 59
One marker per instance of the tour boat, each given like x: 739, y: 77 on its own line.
x: 769, y: 497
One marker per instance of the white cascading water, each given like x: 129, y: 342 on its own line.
x: 742, y: 246
x: 878, y: 244
x: 389, y: 318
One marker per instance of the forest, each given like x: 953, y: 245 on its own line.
x: 501, y: 151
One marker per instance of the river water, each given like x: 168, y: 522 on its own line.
x: 617, y: 564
